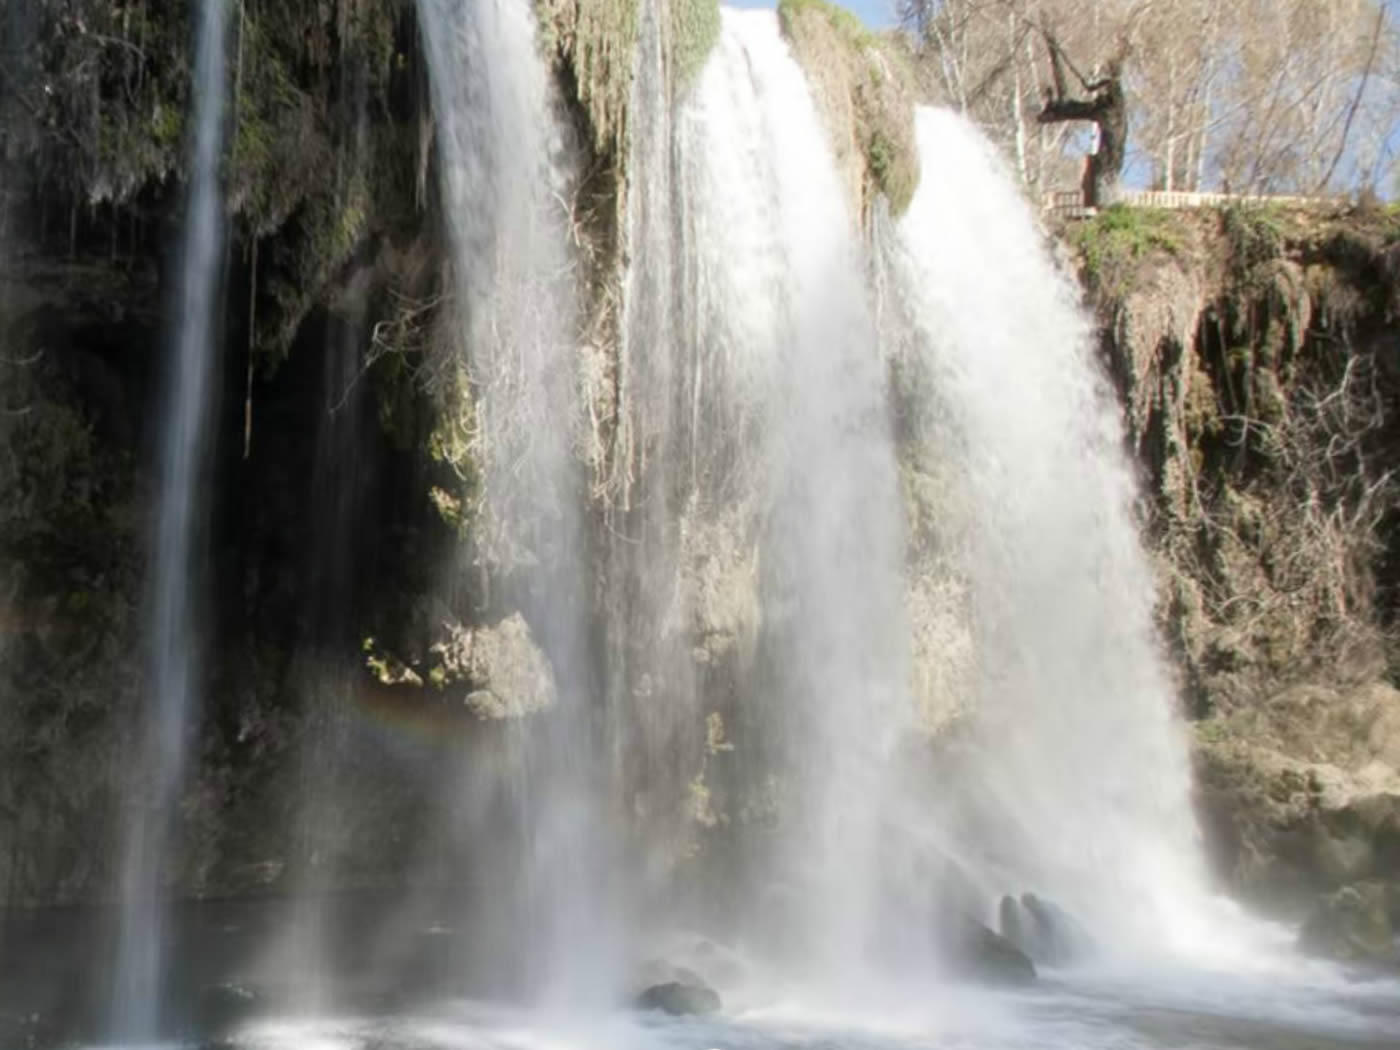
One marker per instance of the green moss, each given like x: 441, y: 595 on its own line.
x: 451, y: 446
x: 272, y: 158
x: 1202, y: 408
x: 1120, y: 235
x: 850, y: 27
x: 311, y: 174
x: 397, y: 399
x: 596, y: 40
x: 386, y: 667
x: 880, y: 156
x: 115, y: 84
x: 1212, y: 731
x: 844, y: 60
x: 694, y: 32
x: 314, y: 245
x: 1254, y: 234
x: 894, y: 171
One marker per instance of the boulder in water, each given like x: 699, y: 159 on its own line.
x: 976, y: 952
x: 679, y: 998
x: 1055, y: 937
x: 1043, y: 930
x: 659, y: 971
x: 1013, y: 923
x: 1352, y: 925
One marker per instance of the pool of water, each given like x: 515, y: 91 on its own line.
x: 1064, y: 1012
x: 390, y: 980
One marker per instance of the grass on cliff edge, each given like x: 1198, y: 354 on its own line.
x: 847, y: 24
x: 1121, y: 234
x: 836, y: 49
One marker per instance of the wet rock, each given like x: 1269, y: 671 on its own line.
x: 1352, y: 925
x: 1054, y: 937
x: 507, y: 672
x: 679, y: 998
x: 1013, y: 924
x: 1301, y: 796
x: 659, y: 971
x: 976, y: 952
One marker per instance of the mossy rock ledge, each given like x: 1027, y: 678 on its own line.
x: 1251, y: 348
x: 865, y: 90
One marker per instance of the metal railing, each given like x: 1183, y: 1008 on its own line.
x: 1069, y: 204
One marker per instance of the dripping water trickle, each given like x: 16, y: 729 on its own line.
x: 172, y: 699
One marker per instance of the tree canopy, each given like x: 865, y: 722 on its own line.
x: 1258, y: 96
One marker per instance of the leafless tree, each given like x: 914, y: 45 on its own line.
x: 1253, y: 96
x: 1103, y: 103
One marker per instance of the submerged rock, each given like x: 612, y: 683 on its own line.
x: 1352, y: 925
x: 678, y: 998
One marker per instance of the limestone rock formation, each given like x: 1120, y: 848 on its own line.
x: 976, y: 952
x: 504, y: 671
x: 1303, y: 790
x: 1355, y: 924
x: 865, y: 87
x: 679, y: 998
x: 1249, y: 346
x: 1043, y: 930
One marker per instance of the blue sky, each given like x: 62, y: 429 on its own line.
x: 875, y: 13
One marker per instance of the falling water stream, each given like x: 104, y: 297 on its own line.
x: 651, y: 684
x: 142, y: 935
x: 506, y: 168
x: 786, y: 295
x: 1077, y: 781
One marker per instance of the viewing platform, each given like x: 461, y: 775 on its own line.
x: 1069, y: 204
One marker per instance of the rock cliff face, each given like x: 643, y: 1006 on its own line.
x: 336, y: 484
x: 326, y: 195
x: 865, y: 86
x: 1255, y: 350
x: 342, y: 479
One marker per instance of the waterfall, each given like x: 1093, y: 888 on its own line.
x: 788, y: 386
x: 1076, y: 783
x: 504, y: 170
x: 174, y: 557
x: 648, y: 504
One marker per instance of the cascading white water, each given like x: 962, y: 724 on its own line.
x: 142, y: 935
x: 504, y: 173
x: 1077, y: 784
x: 784, y: 343
x: 654, y: 732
